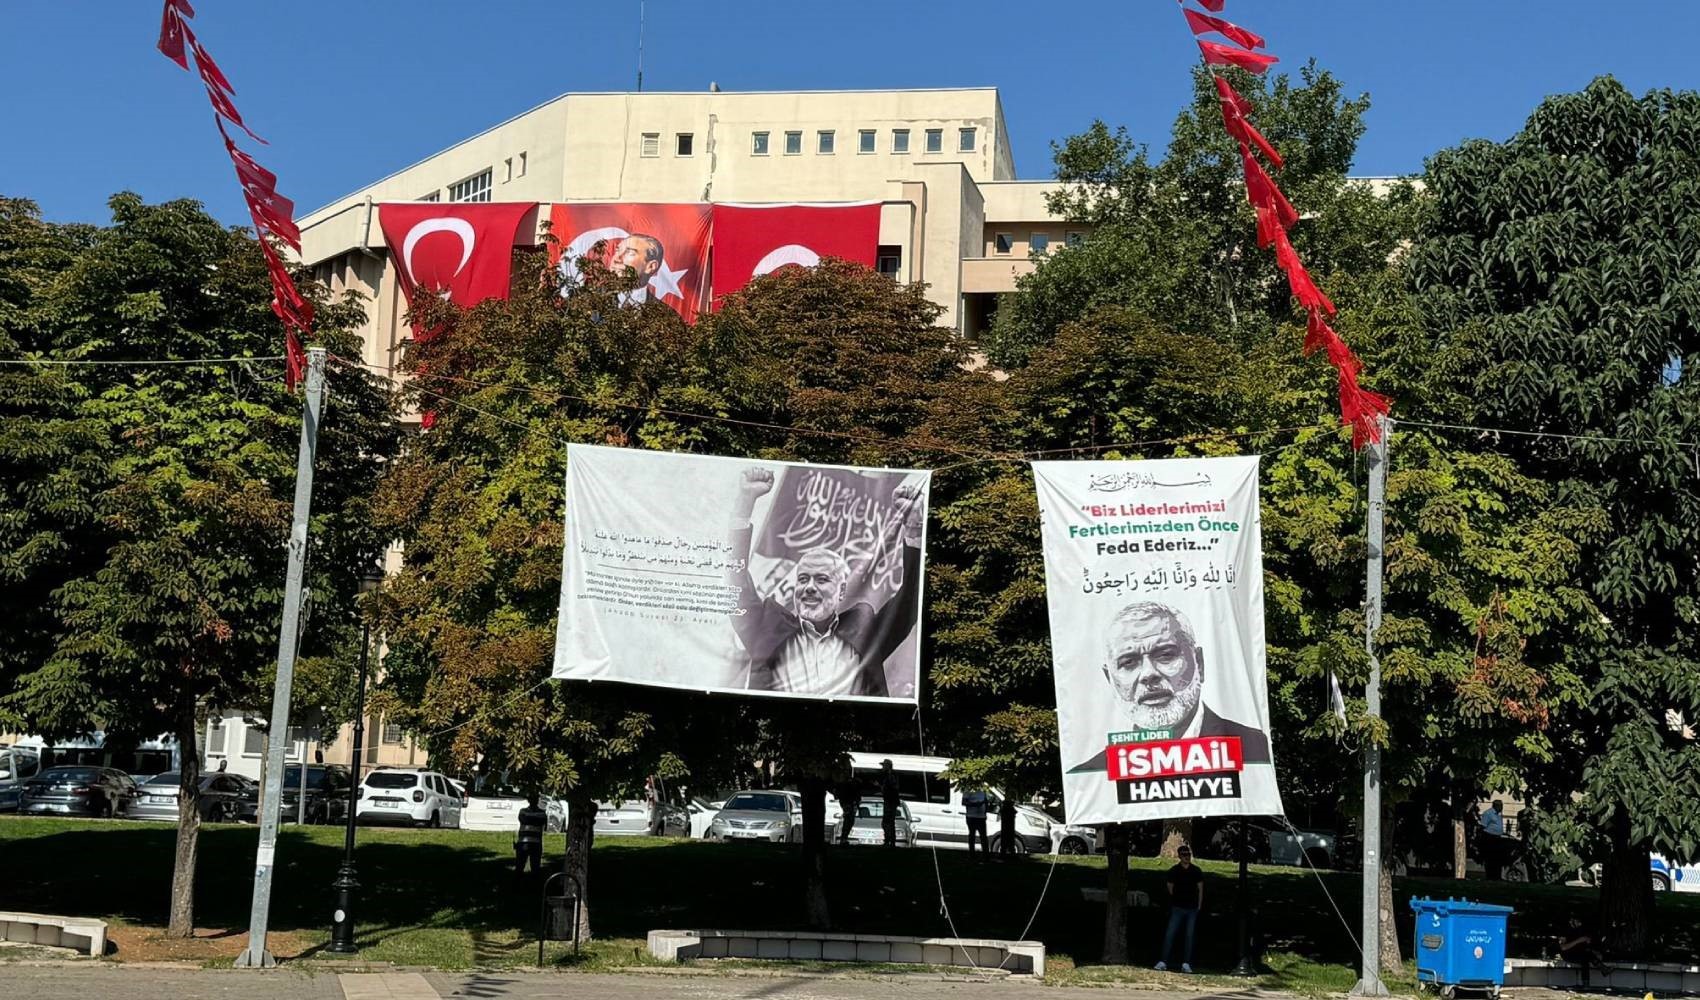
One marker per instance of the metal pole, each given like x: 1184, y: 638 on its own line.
x: 1369, y: 976
x: 1247, y: 965
x: 301, y: 790
x: 255, y: 956
x: 347, y: 880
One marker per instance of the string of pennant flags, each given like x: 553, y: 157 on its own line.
x: 272, y: 213
x: 1360, y: 408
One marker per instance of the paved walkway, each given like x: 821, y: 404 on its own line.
x: 116, y: 982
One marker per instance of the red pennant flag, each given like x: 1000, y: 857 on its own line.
x: 1204, y: 24
x: 294, y: 360
x: 1362, y: 409
x: 1274, y: 211
x: 1214, y: 6
x: 172, y: 31
x: 266, y: 219
x: 247, y: 167
x: 1298, y: 279
x: 208, y: 69
x: 1226, y: 55
x: 1236, y: 117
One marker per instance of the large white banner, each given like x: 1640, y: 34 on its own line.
x: 1154, y: 577
x: 736, y: 575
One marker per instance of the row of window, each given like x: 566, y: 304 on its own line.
x: 826, y: 142
x: 1004, y: 243
x: 253, y: 740
x: 479, y: 186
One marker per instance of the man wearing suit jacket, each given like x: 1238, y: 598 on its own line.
x: 817, y: 645
x: 1155, y: 666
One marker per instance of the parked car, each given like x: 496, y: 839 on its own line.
x: 327, y: 793
x: 221, y: 800
x: 634, y: 818
x: 1073, y: 839
x: 869, y: 824
x: 78, y: 791
x: 1668, y: 876
x: 407, y: 796
x: 17, y: 765
x: 496, y: 807
x: 760, y: 815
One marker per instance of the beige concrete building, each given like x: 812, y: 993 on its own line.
x: 953, y: 214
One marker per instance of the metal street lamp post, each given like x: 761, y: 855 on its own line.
x: 342, y: 921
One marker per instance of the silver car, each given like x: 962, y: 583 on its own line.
x: 773, y: 816
x: 222, y: 798
x: 869, y: 825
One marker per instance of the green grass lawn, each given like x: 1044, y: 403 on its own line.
x: 446, y: 898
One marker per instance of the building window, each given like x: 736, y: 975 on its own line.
x: 824, y: 141
x: 865, y: 141
x: 793, y: 143
x: 651, y: 144
x: 758, y: 143
x: 1073, y: 238
x: 391, y: 732
x: 683, y: 143
x: 1003, y: 243
x: 935, y: 140
x: 433, y: 196
x: 1039, y: 243
x: 965, y: 140
x: 474, y: 188
x: 215, y: 736
x: 888, y: 260
x: 253, y: 742
x: 900, y: 140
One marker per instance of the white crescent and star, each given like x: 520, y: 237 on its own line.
x: 459, y: 228
x: 788, y: 255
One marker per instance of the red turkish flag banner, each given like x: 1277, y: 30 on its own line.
x: 1236, y: 118
x: 1213, y: 5
x: 753, y: 240
x: 1218, y: 54
x: 462, y: 249
x: 1204, y: 24
x: 663, y: 246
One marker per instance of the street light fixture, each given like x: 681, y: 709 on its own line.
x: 342, y: 921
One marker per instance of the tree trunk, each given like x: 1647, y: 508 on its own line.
x: 1115, y: 894
x: 816, y: 914
x: 1176, y: 832
x: 1626, y: 893
x: 1006, y: 826
x: 1391, y: 962
x: 581, y: 831
x: 182, y: 923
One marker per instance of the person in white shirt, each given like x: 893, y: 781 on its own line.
x: 817, y: 645
x: 1493, y: 840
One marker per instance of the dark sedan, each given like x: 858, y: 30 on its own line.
x: 78, y: 791
x: 327, y: 793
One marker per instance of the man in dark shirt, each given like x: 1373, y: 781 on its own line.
x: 528, y: 843
x: 1186, y: 898
x: 889, y: 803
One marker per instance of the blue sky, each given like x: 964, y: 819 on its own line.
x: 352, y: 90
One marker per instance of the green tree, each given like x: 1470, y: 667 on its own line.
x: 1568, y: 259
x: 167, y: 503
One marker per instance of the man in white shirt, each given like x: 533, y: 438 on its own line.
x: 1493, y: 840
x: 817, y: 645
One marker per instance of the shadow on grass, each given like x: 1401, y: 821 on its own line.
x: 448, y: 897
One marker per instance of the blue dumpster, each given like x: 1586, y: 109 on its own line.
x: 1460, y: 944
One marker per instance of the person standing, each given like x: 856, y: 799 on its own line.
x: 1493, y: 840
x: 849, y: 800
x: 1186, y: 898
x: 974, y: 807
x: 889, y: 800
x: 528, y: 842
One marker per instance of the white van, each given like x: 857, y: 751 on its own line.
x: 936, y: 806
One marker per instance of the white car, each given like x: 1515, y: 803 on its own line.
x: 496, y: 808
x: 1668, y: 876
x: 408, y: 796
x: 941, y: 820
